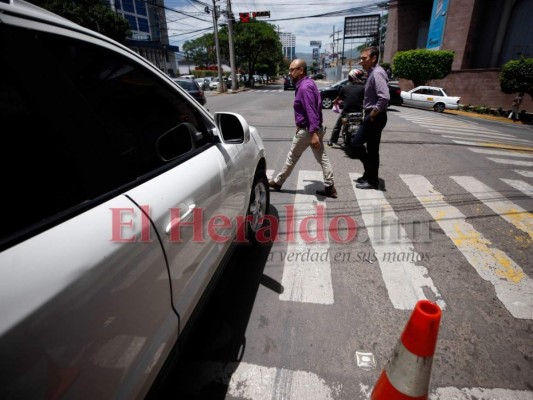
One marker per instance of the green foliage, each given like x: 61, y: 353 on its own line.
x: 422, y: 65
x: 517, y: 76
x: 93, y: 14
x: 201, y: 50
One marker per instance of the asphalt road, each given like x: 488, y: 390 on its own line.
x: 318, y: 319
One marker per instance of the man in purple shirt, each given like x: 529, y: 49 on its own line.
x: 309, y: 131
x: 375, y: 105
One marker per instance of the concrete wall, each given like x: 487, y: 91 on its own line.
x: 477, y: 87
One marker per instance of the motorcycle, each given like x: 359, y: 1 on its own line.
x: 350, y: 125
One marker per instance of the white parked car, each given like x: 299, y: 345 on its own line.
x: 125, y: 198
x: 430, y: 97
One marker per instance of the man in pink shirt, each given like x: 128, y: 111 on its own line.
x: 309, y: 131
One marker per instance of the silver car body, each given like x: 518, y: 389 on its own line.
x: 94, y: 297
x: 430, y: 97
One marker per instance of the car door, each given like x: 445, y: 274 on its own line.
x: 195, y: 200
x: 419, y: 98
x: 85, y: 298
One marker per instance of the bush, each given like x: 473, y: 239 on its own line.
x: 422, y: 65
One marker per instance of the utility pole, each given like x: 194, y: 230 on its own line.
x: 221, y: 87
x: 335, y: 40
x: 229, y: 16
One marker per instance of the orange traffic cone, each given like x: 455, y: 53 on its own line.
x: 407, y: 374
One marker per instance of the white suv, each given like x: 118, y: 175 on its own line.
x: 125, y: 198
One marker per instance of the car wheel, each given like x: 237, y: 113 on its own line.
x: 258, y: 207
x: 439, y: 107
x: 327, y: 102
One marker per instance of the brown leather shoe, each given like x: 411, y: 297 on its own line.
x: 274, y: 186
x: 329, y: 191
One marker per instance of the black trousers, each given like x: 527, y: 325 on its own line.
x: 365, y: 145
x: 337, y: 128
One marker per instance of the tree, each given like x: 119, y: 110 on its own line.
x: 258, y: 43
x: 422, y: 65
x: 93, y: 14
x: 517, y: 76
x: 202, y: 50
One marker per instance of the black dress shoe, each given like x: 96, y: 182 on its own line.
x: 329, y: 191
x: 273, y: 185
x: 365, y: 185
x: 330, y: 144
x: 361, y: 179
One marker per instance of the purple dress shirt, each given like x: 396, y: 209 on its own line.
x: 307, y: 105
x: 376, y: 89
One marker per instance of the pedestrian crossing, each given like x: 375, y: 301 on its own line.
x: 407, y: 278
x: 456, y: 129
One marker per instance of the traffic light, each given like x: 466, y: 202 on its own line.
x: 244, y: 17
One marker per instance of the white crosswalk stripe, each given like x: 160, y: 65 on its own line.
x: 511, y: 212
x: 511, y: 162
x: 513, y: 287
x: 527, y: 174
x: 393, y: 250
x: 306, y: 276
x: 522, y: 186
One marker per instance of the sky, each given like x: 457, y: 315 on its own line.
x: 308, y: 20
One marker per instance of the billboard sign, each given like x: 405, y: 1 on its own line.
x: 437, y: 24
x: 315, y: 54
x: 315, y: 43
x: 362, y: 27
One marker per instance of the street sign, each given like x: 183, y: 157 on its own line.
x: 261, y: 14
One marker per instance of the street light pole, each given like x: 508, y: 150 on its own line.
x: 221, y: 87
x: 229, y: 16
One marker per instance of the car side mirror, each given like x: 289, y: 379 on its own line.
x: 233, y: 127
x: 176, y: 142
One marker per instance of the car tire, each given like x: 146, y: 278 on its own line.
x: 258, y: 207
x: 439, y: 107
x: 327, y: 102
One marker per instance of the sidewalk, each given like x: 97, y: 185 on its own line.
x: 483, y: 116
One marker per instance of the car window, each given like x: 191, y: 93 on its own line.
x: 421, y: 91
x: 187, y: 85
x: 79, y: 124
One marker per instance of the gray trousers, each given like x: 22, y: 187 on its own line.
x: 301, y: 141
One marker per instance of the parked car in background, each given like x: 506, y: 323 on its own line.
x: 329, y: 93
x: 395, y: 93
x: 430, y: 97
x: 192, y: 87
x: 318, y: 75
x: 203, y: 83
x: 213, y: 85
x: 118, y: 177
x: 288, y: 83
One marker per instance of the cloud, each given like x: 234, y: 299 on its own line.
x: 304, y: 26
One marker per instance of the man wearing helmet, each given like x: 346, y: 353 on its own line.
x: 352, y: 95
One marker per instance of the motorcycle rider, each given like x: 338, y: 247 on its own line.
x: 352, y: 95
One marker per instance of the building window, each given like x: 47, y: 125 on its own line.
x: 132, y: 21
x: 128, y: 6
x: 140, y: 7
x: 143, y: 24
